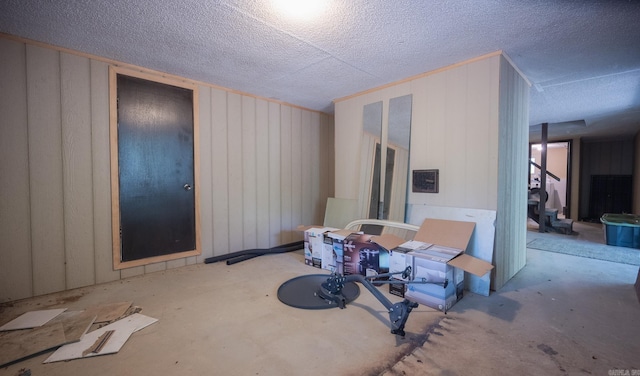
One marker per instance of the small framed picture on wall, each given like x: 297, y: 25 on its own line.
x: 425, y: 181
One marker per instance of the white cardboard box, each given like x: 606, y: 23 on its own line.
x: 445, y: 283
x: 337, y: 244
x: 400, y: 257
x: 437, y: 255
x: 314, y: 244
x: 445, y: 260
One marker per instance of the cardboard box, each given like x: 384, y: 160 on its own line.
x: 399, y: 288
x: 337, y: 244
x: 444, y: 260
x: 435, y: 254
x: 314, y: 244
x: 365, y: 254
x: 431, y: 265
x: 329, y: 256
x: 400, y: 257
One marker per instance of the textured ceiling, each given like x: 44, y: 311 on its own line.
x: 582, y: 57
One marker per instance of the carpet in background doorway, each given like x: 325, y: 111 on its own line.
x: 604, y: 252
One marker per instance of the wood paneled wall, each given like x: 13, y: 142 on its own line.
x: 266, y: 167
x: 454, y: 128
x: 603, y: 157
x: 510, y: 250
x: 470, y: 122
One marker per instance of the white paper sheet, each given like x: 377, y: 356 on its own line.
x: 122, y: 328
x: 32, y: 319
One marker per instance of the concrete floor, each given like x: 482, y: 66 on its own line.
x: 560, y: 315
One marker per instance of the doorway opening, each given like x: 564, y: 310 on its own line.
x: 558, y: 179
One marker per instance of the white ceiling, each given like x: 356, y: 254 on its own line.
x: 582, y: 57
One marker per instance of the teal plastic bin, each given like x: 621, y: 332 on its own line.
x: 622, y: 230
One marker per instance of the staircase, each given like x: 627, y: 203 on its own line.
x: 552, y: 222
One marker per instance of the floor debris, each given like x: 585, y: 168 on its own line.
x: 19, y: 344
x: 121, y: 331
x: 98, y: 330
x: 109, y: 312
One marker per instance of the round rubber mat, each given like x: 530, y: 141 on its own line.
x: 300, y: 292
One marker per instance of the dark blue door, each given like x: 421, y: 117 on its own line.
x: 156, y: 168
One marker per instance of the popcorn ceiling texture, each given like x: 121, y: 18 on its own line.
x: 583, y: 58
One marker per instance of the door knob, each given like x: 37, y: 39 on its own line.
x: 187, y: 187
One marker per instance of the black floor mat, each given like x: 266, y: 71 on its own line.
x: 300, y: 292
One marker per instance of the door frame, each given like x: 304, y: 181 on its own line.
x: 115, y: 179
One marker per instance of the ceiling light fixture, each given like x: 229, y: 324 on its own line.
x: 300, y: 10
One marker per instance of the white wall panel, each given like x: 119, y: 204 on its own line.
x: 262, y: 173
x: 454, y: 127
x: 347, y: 147
x: 434, y: 129
x: 275, y: 199
x: 296, y: 172
x: 206, y: 172
x: 286, y: 175
x: 306, y: 180
x: 510, y: 249
x: 313, y: 149
x: 16, y: 279
x: 234, y: 172
x: 478, y: 136
x: 249, y: 181
x: 76, y: 170
x: 326, y: 150
x: 45, y: 170
x: 321, y: 150
x: 453, y: 173
x: 220, y: 173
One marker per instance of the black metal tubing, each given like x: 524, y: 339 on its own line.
x: 238, y: 259
x: 289, y: 247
